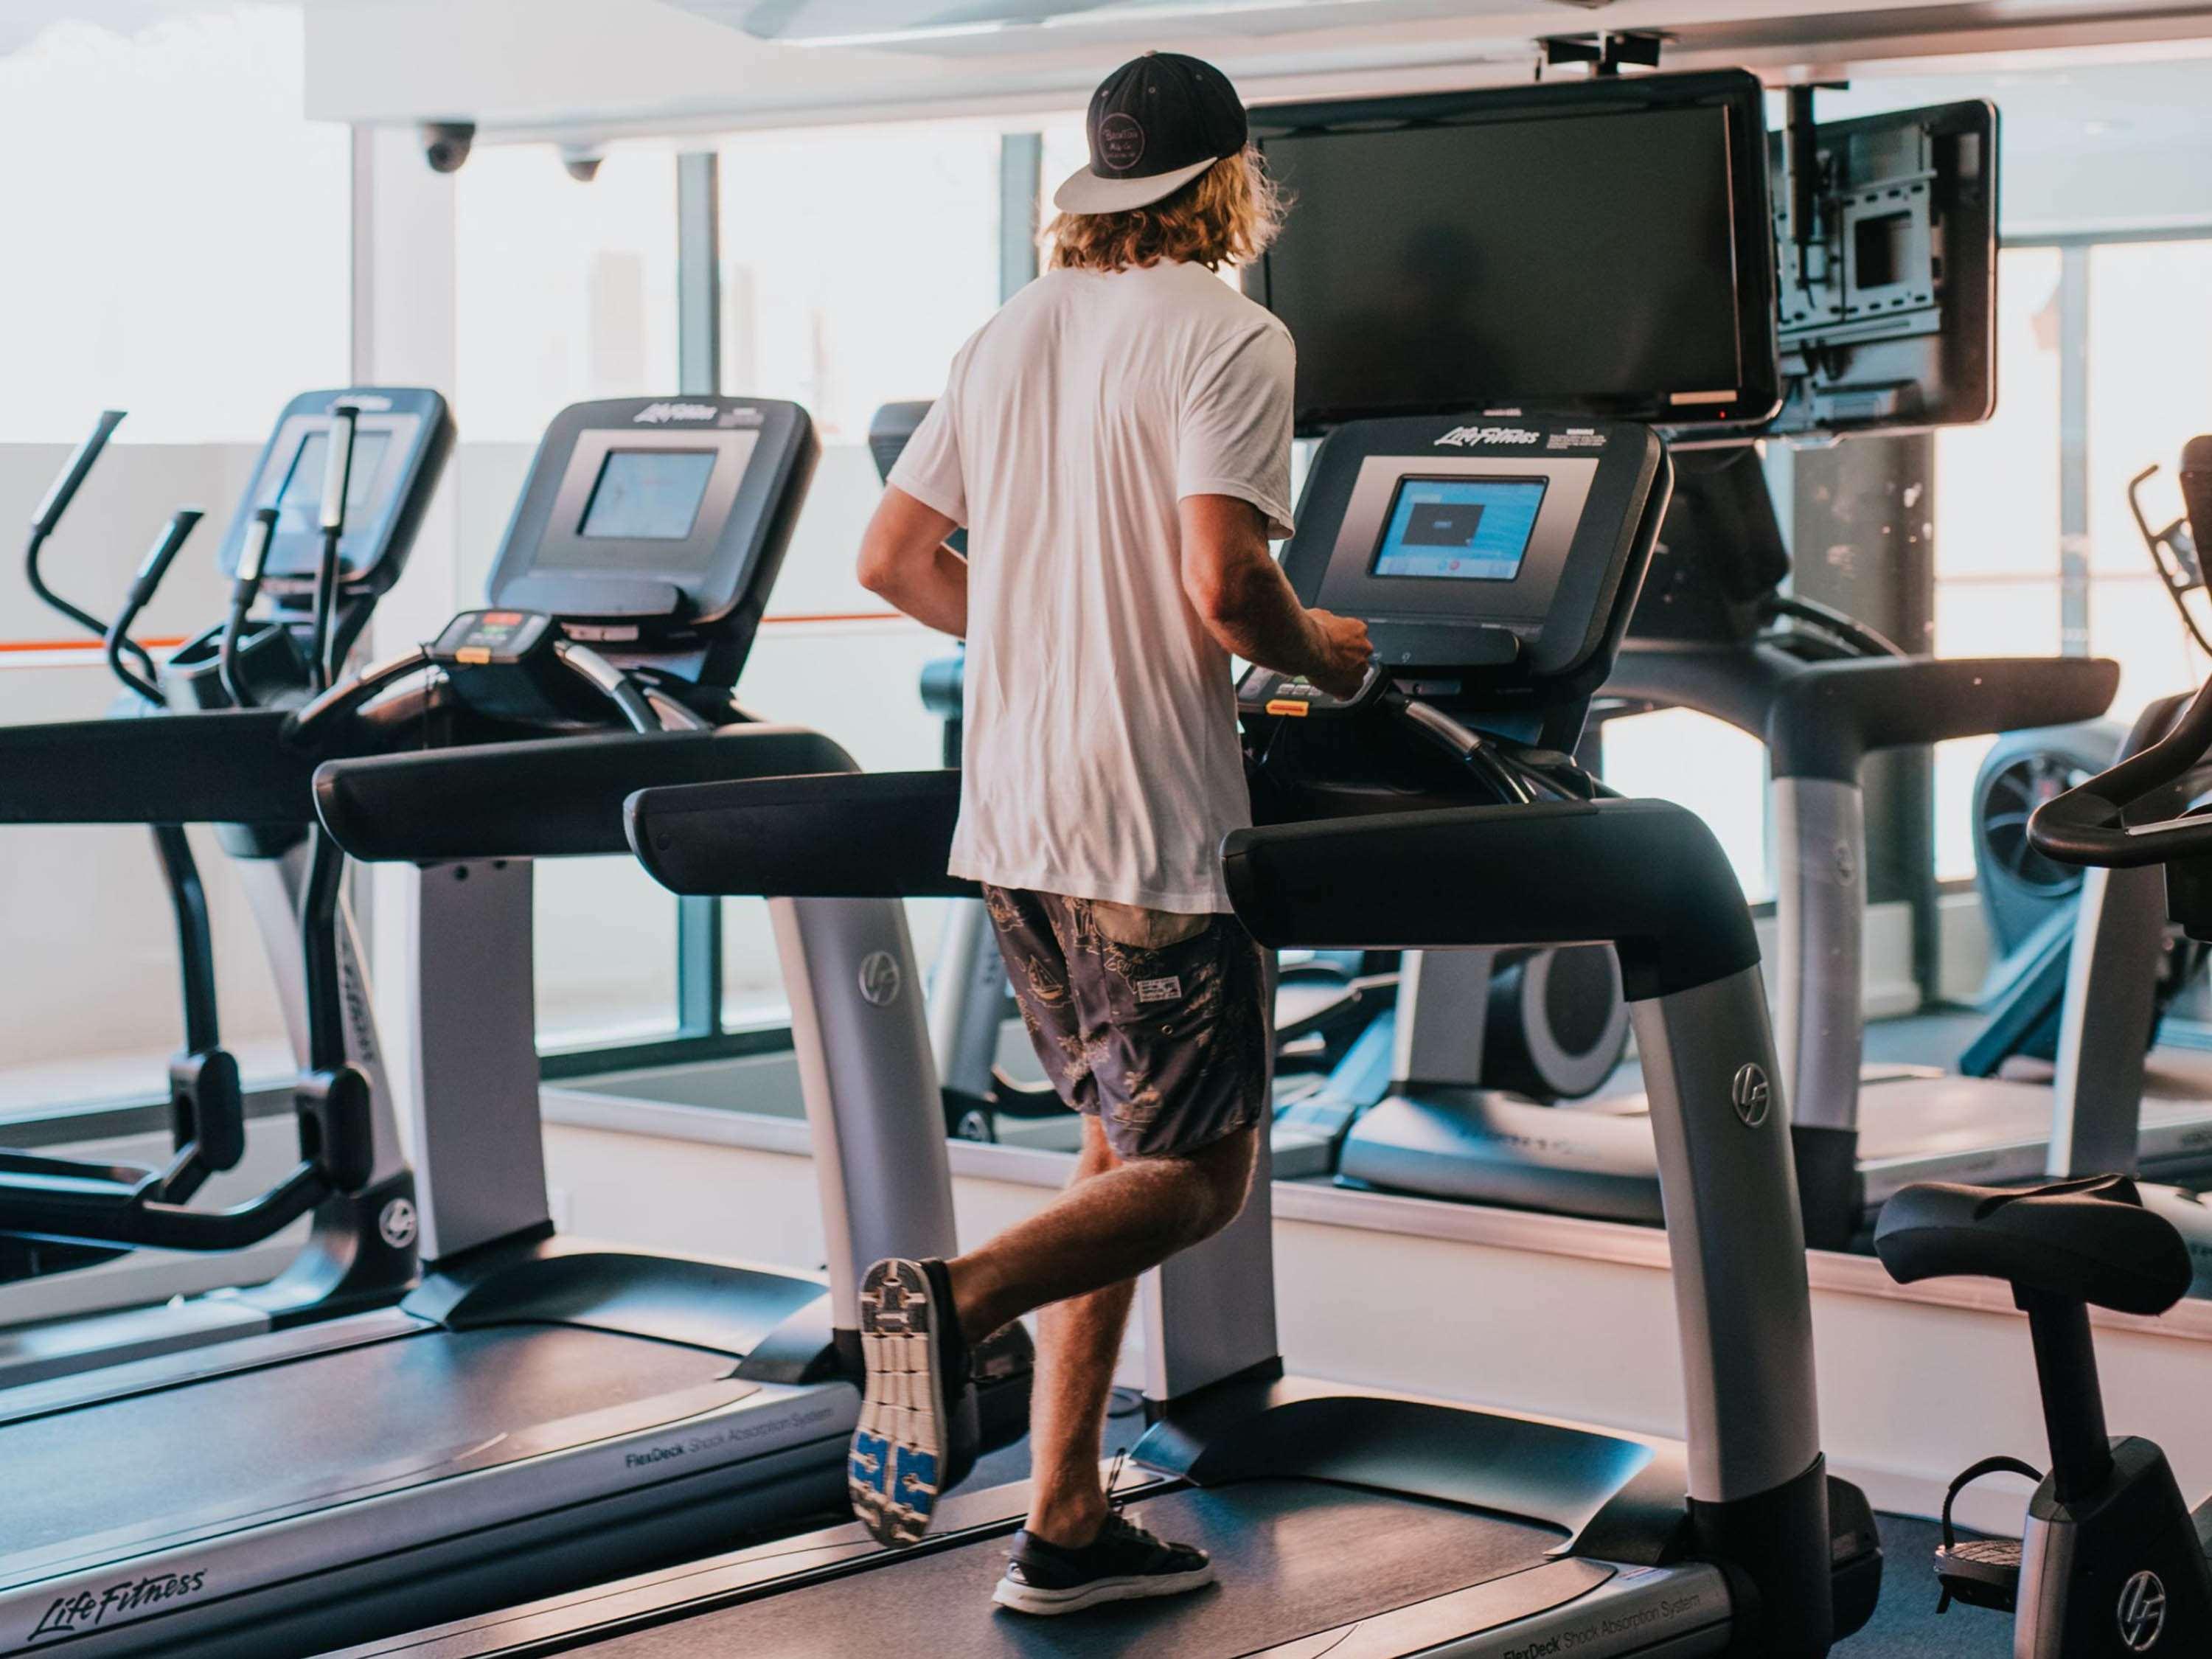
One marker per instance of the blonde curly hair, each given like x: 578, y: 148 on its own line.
x: 1228, y: 214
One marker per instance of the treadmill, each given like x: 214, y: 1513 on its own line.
x: 1823, y: 693
x: 540, y: 1411
x: 348, y: 473
x: 1438, y: 809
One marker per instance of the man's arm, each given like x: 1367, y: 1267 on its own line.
x: 905, y: 563
x: 1245, y: 601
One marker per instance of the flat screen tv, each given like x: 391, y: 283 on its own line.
x: 1600, y: 247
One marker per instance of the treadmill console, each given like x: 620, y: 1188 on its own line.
x: 657, y: 524
x: 1505, y: 546
x: 1495, y: 562
x: 402, y: 436
x: 492, y: 639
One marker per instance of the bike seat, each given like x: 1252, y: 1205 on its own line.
x: 2086, y: 1241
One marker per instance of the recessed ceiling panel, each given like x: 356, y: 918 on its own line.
x: 894, y: 21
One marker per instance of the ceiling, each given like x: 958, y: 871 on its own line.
x: 594, y: 71
x: 936, y: 23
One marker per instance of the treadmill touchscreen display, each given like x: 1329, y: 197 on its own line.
x: 648, y: 495
x: 1459, y: 529
x: 303, y: 485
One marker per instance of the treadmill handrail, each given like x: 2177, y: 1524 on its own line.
x: 834, y: 835
x: 1827, y: 719
x: 1644, y: 876
x: 2086, y: 824
x: 219, y: 766
x: 540, y: 798
x: 1821, y: 719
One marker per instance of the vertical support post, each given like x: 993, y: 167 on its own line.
x: 2074, y: 452
x: 1865, y: 543
x: 1021, y: 179
x: 699, y: 373
x: 699, y: 272
x: 861, y: 1042
x: 472, y: 1008
x: 1209, y: 1314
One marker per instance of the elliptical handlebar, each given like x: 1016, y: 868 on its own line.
x: 63, y: 491
x: 2087, y: 824
x: 48, y: 517
x: 337, y: 477
x: 245, y: 589
x: 151, y: 572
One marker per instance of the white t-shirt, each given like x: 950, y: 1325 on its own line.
x: 1100, y: 749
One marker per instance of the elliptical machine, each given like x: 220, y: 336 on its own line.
x: 324, y: 530
x: 2112, y: 1561
x: 207, y: 1109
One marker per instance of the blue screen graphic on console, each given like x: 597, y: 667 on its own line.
x: 1460, y: 529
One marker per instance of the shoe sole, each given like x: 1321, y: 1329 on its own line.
x: 898, y: 1449
x: 1046, y: 1603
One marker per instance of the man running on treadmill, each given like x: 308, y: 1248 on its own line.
x: 1117, y: 441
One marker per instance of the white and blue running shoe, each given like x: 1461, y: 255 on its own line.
x: 911, y: 1444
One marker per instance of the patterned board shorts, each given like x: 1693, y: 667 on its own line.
x: 1155, y: 1023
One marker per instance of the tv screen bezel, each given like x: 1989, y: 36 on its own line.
x: 1737, y: 93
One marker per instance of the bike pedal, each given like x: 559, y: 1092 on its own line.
x: 1982, y: 1572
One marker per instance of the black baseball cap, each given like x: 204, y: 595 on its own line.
x: 1155, y: 124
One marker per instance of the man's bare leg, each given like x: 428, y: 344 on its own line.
x: 1079, y: 1341
x: 1114, y: 1220
x: 1077, y: 1260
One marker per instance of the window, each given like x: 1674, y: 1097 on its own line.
x: 1706, y: 765
x: 179, y: 245
x: 1997, y: 524
x: 178, y: 237
x: 564, y: 291
x: 854, y: 263
x: 2149, y: 362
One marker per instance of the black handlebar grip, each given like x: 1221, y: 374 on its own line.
x: 49, y: 511
x: 253, y: 557
x: 2196, y: 492
x: 337, y: 467
x: 2087, y: 824
x: 162, y: 555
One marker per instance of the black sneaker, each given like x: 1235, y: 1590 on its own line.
x: 916, y: 1436
x: 1124, y: 1562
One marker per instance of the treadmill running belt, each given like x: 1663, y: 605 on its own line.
x: 233, y: 1445
x: 1295, y: 1556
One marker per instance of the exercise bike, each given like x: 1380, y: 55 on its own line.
x: 2112, y: 1561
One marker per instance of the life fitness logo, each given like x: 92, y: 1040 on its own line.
x: 1752, y: 1094
x: 880, y: 979
x: 1462, y: 437
x: 662, y: 414
x: 2141, y: 1613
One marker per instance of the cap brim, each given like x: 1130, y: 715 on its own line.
x: 1084, y: 191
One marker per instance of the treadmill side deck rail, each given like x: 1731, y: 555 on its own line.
x: 701, y: 1443
x: 1308, y: 1567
